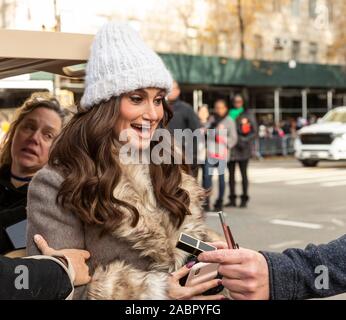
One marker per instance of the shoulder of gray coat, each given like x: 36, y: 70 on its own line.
x: 47, y: 175
x: 228, y: 121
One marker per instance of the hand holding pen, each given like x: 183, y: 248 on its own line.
x: 228, y: 234
x: 244, y: 272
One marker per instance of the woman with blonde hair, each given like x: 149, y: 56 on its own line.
x: 24, y: 151
x: 128, y: 216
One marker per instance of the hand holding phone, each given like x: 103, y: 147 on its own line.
x: 202, y: 272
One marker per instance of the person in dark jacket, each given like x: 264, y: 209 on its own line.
x: 295, y: 274
x: 242, y: 152
x: 24, y: 151
x: 183, y: 118
x: 50, y: 276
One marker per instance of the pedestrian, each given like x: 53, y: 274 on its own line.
x: 221, y: 138
x: 51, y: 276
x: 184, y: 118
x: 204, y: 116
x: 24, y: 151
x: 242, y: 152
x: 295, y: 274
x: 93, y: 196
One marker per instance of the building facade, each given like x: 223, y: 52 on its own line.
x: 278, y: 42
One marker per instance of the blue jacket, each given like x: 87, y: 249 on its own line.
x: 295, y: 272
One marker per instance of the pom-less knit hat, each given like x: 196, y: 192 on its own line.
x: 121, y: 62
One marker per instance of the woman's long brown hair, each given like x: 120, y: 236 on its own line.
x: 85, y: 154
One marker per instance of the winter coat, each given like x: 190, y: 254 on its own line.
x: 130, y: 262
x: 48, y: 279
x: 222, y: 139
x: 294, y: 273
x: 12, y: 207
x: 247, y: 131
x: 184, y: 117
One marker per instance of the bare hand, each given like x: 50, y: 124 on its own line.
x: 76, y: 257
x: 245, y: 272
x: 178, y: 292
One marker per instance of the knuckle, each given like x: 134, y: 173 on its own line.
x: 222, y: 255
x: 222, y: 269
x: 252, y: 272
x: 242, y: 255
x: 252, y: 287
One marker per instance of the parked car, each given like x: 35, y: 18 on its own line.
x: 325, y: 140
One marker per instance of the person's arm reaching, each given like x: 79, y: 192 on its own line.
x: 316, y: 272
x: 46, y: 279
x: 50, y: 276
x: 294, y: 274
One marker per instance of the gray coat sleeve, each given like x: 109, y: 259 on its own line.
x: 297, y: 274
x: 61, y: 229
x: 232, y: 138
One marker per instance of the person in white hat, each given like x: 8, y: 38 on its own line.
x: 128, y: 216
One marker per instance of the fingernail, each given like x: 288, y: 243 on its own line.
x: 219, y: 282
x: 37, y: 237
x: 190, y: 264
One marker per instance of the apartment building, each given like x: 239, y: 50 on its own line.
x: 282, y: 58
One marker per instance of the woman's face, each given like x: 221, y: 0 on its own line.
x: 238, y: 102
x: 33, y: 139
x: 140, y: 113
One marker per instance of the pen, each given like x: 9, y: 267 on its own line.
x: 228, y: 234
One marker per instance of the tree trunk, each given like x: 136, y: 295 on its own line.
x: 241, y: 29
x: 3, y: 9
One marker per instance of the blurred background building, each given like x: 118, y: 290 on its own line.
x: 288, y: 57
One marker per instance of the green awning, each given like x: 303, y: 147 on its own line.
x: 222, y: 71
x: 189, y: 69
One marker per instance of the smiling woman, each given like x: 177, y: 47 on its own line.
x: 141, y: 112
x: 24, y: 151
x: 128, y: 216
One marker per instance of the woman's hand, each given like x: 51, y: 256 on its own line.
x: 178, y: 292
x: 245, y: 272
x: 77, y: 258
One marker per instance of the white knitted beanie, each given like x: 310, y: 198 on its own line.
x: 121, y: 62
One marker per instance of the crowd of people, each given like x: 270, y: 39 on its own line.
x: 99, y: 227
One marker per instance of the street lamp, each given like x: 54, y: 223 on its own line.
x: 292, y: 64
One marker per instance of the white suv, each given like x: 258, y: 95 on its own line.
x: 325, y: 140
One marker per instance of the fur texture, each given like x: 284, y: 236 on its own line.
x: 154, y: 237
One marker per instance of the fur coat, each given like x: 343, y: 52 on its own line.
x: 130, y: 263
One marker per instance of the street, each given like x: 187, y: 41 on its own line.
x: 290, y: 206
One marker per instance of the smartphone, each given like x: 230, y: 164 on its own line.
x: 17, y: 234
x: 202, y: 272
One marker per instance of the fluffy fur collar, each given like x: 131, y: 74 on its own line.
x: 155, y: 236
